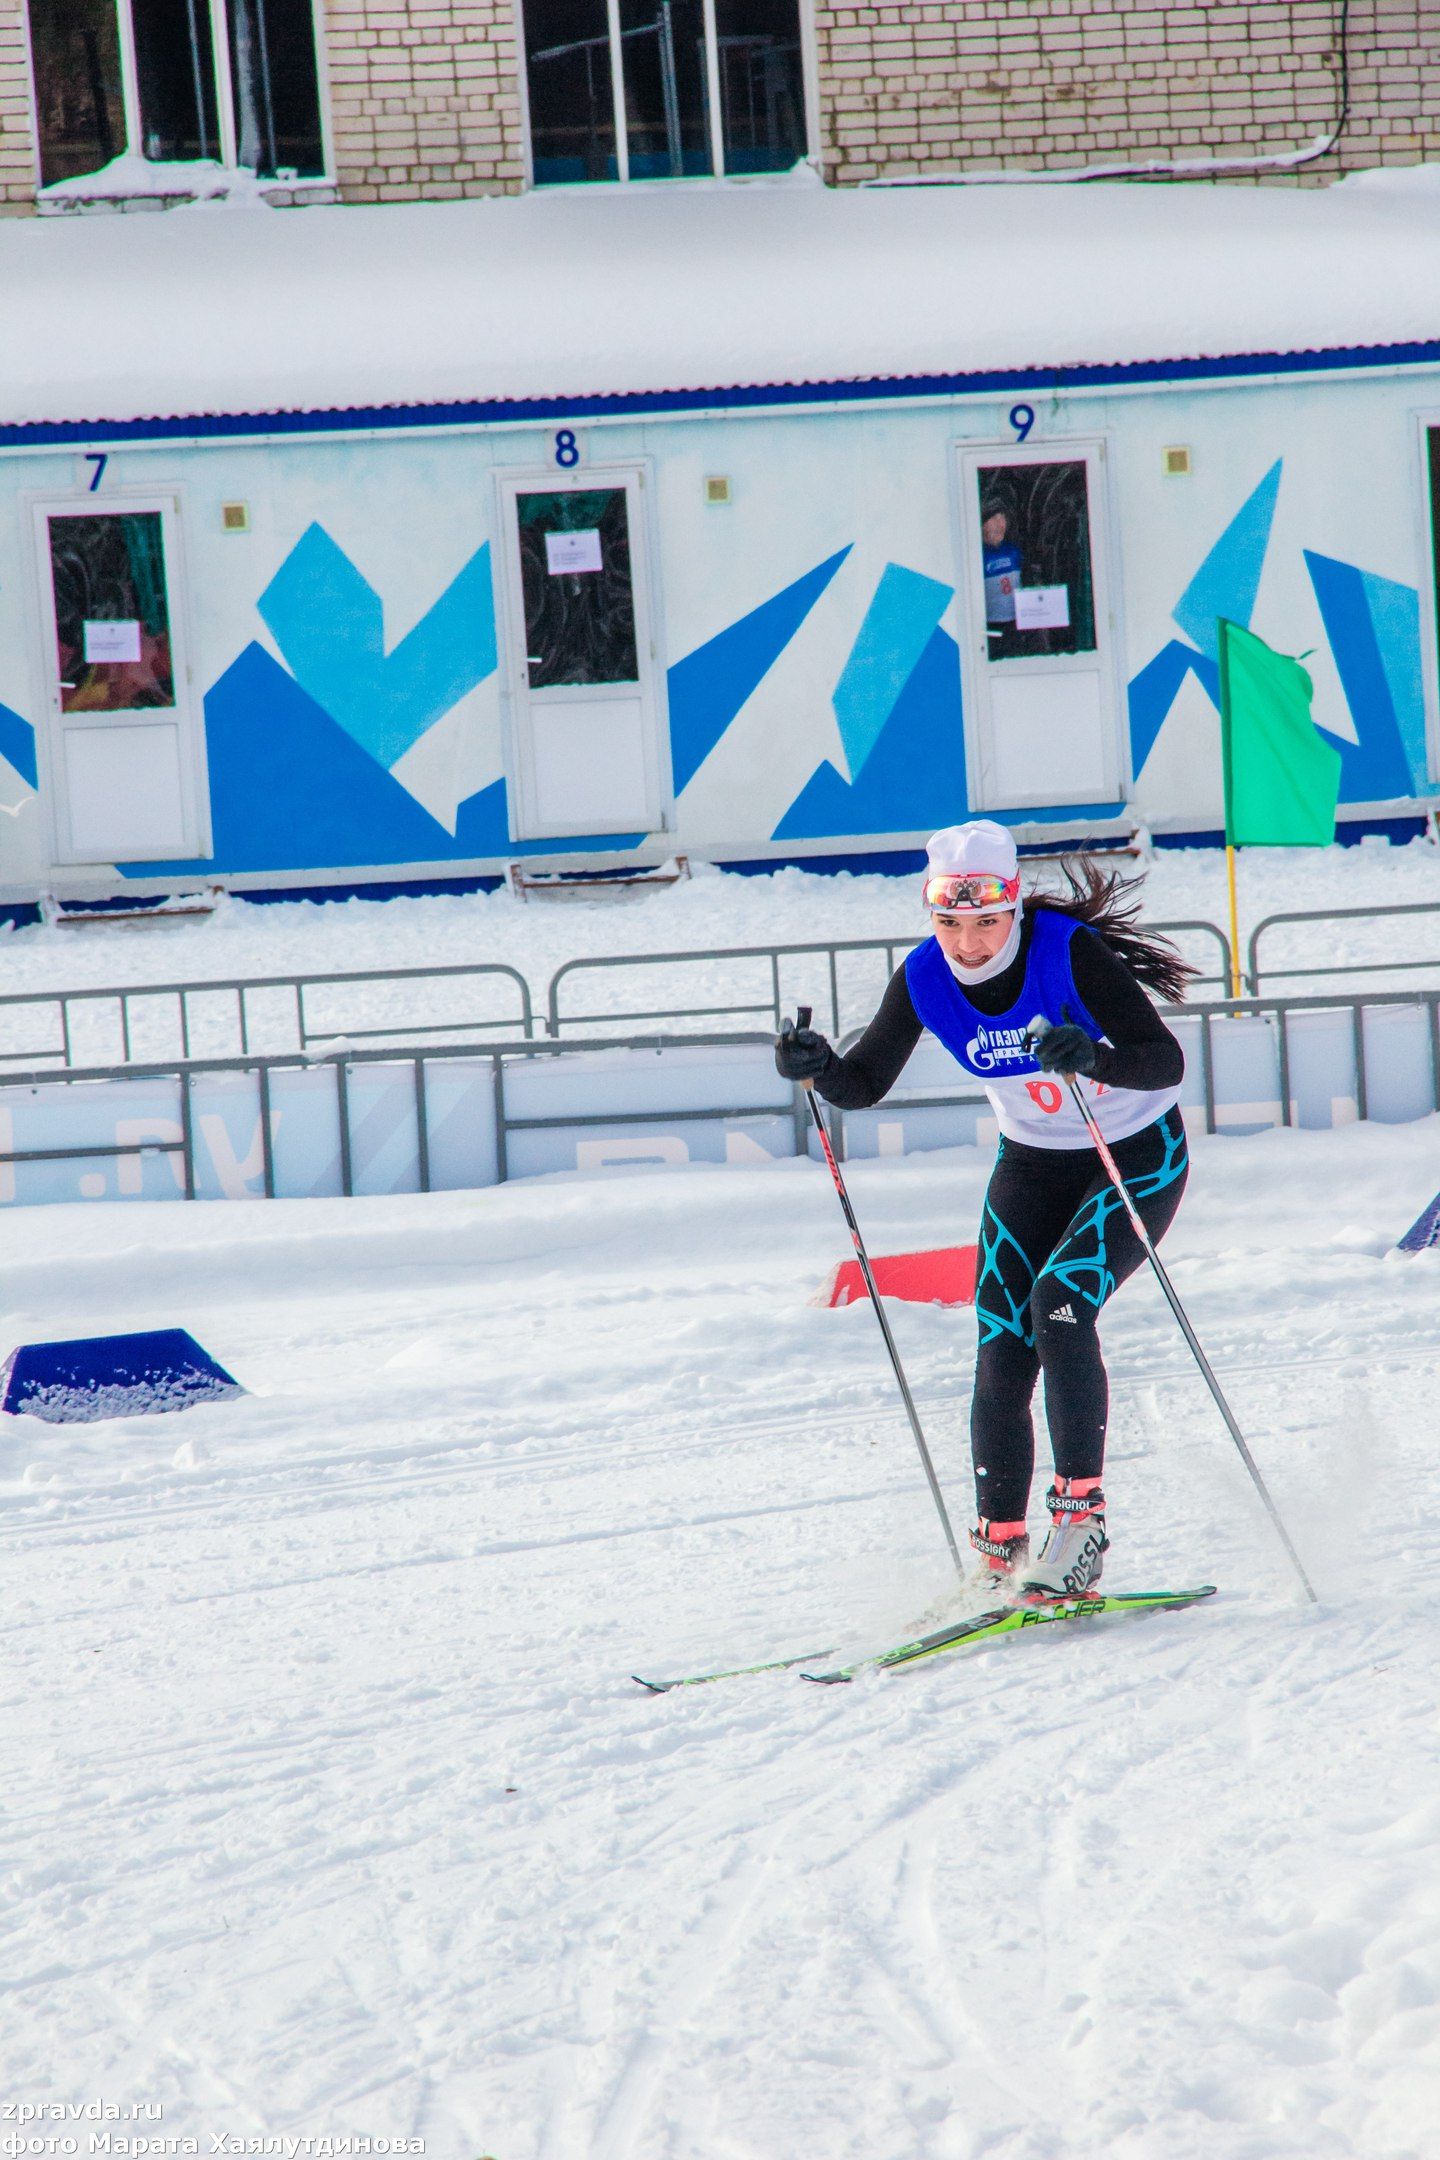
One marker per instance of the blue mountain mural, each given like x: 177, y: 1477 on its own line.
x: 291, y: 790
x: 708, y: 687
x: 1154, y: 690
x: 1226, y: 583
x: 1373, y: 626
x: 1228, y: 580
x: 914, y: 777
x: 330, y: 624
x: 892, y: 640
x: 17, y: 744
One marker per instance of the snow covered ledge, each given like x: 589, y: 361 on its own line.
x: 135, y: 183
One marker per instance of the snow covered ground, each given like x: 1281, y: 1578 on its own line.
x: 330, y: 1806
x: 711, y: 912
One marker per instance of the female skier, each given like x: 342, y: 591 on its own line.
x: 1023, y: 993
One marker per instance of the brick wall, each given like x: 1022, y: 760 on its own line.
x: 18, y: 178
x: 424, y: 99
x: 972, y: 84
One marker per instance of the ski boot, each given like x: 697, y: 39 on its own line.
x: 1070, y: 1561
x: 1004, y: 1549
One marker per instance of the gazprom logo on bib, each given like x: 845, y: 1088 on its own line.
x: 991, y: 1047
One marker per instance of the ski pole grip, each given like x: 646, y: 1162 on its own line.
x: 1036, y: 1032
x: 802, y: 1020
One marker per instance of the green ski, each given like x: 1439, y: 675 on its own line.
x: 982, y: 1627
x: 1014, y: 1620
x: 733, y: 1672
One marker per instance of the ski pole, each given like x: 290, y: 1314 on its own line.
x: 802, y: 1019
x: 1112, y: 1171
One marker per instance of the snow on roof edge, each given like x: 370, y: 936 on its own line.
x: 548, y: 303
x: 438, y: 412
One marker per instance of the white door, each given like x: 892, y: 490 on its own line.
x: 121, y: 756
x: 1042, y: 699
x: 581, y: 668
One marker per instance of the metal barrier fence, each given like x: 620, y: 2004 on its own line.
x: 1196, y: 1025
x: 347, y: 1067
x: 451, y: 1116
x: 177, y: 1008
x: 769, y: 1004
x: 271, y: 1015
x: 1284, y: 1012
x: 1337, y: 967
x: 138, y: 1023
x: 769, y: 1001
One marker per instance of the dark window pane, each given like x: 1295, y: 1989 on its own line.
x: 175, y: 66
x: 663, y: 42
x: 762, y: 84
x: 575, y: 575
x: 276, y: 88
x: 1035, y: 543
x: 567, y: 70
x: 112, y: 622
x: 75, y: 46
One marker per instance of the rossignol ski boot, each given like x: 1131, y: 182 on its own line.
x: 1070, y: 1561
x: 1004, y: 1549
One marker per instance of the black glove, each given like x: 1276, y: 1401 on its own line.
x: 801, y: 1053
x: 1066, y: 1049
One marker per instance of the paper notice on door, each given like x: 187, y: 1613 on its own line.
x: 112, y: 641
x: 567, y: 552
x: 1042, y: 607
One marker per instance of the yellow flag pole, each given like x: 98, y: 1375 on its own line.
x: 1221, y: 632
x: 1234, y: 922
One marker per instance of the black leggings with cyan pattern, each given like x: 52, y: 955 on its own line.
x: 1055, y: 1242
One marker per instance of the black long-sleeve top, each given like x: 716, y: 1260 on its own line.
x: 1140, y: 1052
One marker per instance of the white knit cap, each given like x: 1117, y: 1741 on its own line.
x: 978, y: 849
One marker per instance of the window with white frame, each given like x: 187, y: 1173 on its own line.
x: 663, y: 89
x: 234, y: 81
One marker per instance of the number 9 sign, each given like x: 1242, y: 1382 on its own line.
x: 1022, y: 419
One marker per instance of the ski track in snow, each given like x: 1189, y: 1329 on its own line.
x: 330, y: 1806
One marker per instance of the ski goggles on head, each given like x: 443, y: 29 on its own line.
x: 970, y: 893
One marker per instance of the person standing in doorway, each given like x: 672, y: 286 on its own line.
x: 1003, y: 568
x: 1024, y: 993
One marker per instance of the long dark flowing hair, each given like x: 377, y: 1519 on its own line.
x: 1109, y: 903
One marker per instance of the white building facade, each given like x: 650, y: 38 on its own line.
x: 326, y: 644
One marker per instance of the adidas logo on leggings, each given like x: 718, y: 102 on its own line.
x: 1064, y: 1312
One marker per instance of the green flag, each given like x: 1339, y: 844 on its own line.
x: 1282, y: 779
